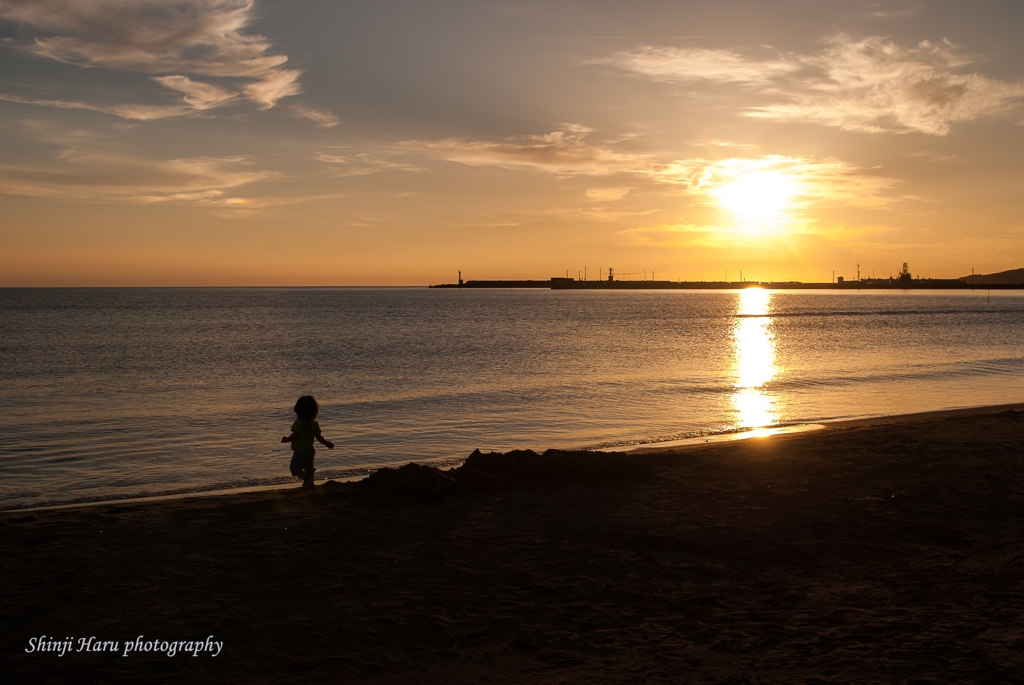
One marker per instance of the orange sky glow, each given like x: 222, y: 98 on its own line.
x: 230, y: 142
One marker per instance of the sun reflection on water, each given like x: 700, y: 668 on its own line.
x: 755, y: 359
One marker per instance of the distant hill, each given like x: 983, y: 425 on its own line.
x: 1013, y: 277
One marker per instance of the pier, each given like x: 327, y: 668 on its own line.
x: 560, y: 283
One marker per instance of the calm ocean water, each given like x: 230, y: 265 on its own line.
x: 117, y: 392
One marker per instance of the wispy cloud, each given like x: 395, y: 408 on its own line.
x: 700, y: 64
x: 803, y: 179
x: 871, y: 85
x: 879, y: 11
x: 235, y: 206
x: 570, y: 153
x: 363, y: 164
x: 319, y: 117
x: 125, y: 111
x: 279, y: 83
x: 681, y: 235
x: 103, y: 176
x: 197, y: 95
x: 172, y: 38
x: 716, y: 236
x: 876, y: 85
x: 761, y: 197
x: 566, y: 153
x: 934, y: 156
x: 607, y: 194
x: 574, y: 214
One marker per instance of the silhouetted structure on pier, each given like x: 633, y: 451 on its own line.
x: 1004, y: 280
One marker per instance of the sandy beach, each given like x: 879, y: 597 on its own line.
x: 887, y: 551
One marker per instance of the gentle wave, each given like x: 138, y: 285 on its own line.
x: 117, y: 393
x: 878, y: 313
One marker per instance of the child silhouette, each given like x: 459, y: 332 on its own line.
x: 304, y: 430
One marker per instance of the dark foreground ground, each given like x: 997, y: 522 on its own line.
x: 890, y: 554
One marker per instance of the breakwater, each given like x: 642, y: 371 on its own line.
x: 559, y: 283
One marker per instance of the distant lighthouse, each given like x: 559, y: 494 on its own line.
x: 460, y: 277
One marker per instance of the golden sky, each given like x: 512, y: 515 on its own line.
x: 228, y: 142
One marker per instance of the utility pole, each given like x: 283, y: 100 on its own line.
x: 858, y: 272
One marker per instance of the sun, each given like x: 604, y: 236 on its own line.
x: 758, y: 197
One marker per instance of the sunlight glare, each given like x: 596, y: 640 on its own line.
x: 755, y: 359
x: 757, y: 196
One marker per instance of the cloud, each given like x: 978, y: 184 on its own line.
x: 198, y: 95
x: 235, y: 206
x: 565, y: 152
x: 607, y: 194
x: 103, y: 176
x: 167, y: 37
x: 871, y: 85
x: 279, y: 84
x: 699, y: 64
x: 363, y: 164
x: 571, y: 215
x: 320, y: 118
x: 892, y: 13
x: 569, y: 153
x: 682, y: 235
x: 739, y: 237
x: 933, y: 156
x: 125, y: 111
x: 605, y: 214
x: 769, y: 185
x: 876, y: 85
x: 803, y: 180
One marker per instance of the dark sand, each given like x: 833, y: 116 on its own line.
x: 881, y: 553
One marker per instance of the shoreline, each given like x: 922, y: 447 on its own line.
x: 791, y: 428
x: 779, y: 431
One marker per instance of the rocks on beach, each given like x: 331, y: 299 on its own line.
x: 496, y: 471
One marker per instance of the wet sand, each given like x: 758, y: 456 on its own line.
x: 891, y: 551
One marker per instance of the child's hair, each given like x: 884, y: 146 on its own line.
x: 307, y: 408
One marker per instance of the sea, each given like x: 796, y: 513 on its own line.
x: 115, y: 393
